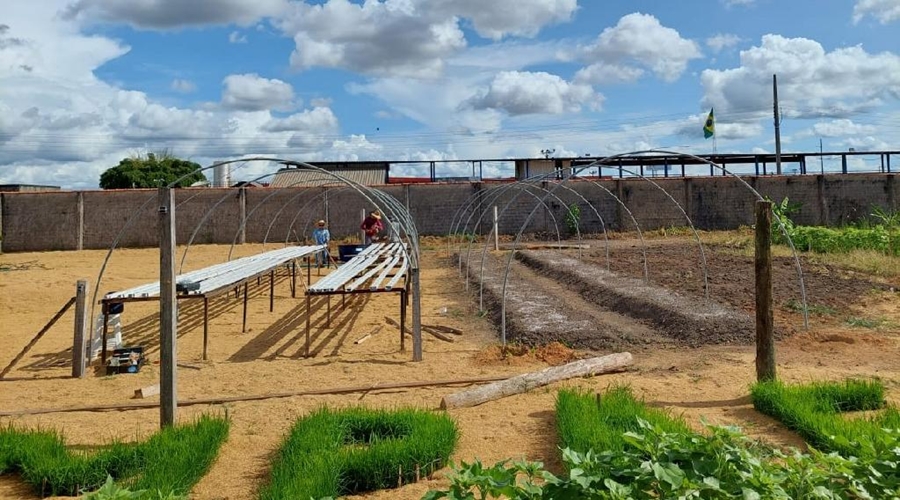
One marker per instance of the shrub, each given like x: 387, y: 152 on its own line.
x: 332, y: 453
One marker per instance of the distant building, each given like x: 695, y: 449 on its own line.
x: 26, y: 188
x: 364, y: 173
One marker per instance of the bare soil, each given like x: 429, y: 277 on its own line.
x: 708, y: 382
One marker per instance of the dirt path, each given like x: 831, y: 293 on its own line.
x: 707, y: 383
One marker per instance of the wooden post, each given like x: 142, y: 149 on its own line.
x: 244, y: 324
x: 271, y: 291
x: 168, y: 325
x: 362, y: 234
x: 765, y: 335
x: 306, y: 350
x: 402, y: 320
x: 78, y: 347
x: 496, y: 230
x: 205, y: 325
x: 416, y: 314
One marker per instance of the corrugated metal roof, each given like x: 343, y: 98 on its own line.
x: 298, y: 177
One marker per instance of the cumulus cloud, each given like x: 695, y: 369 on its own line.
x: 501, y: 18
x: 641, y: 40
x: 237, y: 37
x: 602, y: 74
x: 721, y: 41
x: 811, y: 81
x: 885, y: 11
x: 163, y: 14
x: 523, y: 92
x: 183, y: 86
x: 841, y: 128
x: 405, y: 38
x: 251, y: 92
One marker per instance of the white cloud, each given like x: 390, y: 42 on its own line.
x: 841, y: 128
x: 885, y: 11
x: 406, y: 38
x: 641, y: 40
x: 602, y: 74
x: 521, y: 93
x: 722, y: 41
x: 501, y: 18
x: 732, y: 3
x: 237, y: 37
x: 163, y: 14
x: 250, y: 92
x: 811, y: 82
x: 183, y: 86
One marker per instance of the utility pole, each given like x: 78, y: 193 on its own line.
x: 821, y: 158
x: 777, y: 126
x: 168, y: 322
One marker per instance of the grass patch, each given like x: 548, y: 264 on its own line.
x: 331, y: 453
x: 168, y: 463
x: 870, y: 323
x: 817, y: 309
x: 814, y: 412
x: 586, y: 421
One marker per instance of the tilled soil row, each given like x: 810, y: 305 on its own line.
x: 534, y: 316
x: 690, y: 321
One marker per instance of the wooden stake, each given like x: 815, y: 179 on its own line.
x: 37, y: 337
x: 78, y: 345
x: 765, y: 327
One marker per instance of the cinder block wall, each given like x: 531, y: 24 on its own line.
x: 94, y: 219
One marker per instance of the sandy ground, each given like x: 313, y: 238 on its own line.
x: 707, y: 383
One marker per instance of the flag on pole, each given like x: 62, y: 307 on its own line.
x: 709, y: 128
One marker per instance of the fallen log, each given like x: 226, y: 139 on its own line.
x: 425, y: 328
x: 528, y: 381
x: 444, y: 329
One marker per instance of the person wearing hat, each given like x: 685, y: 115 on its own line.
x: 371, y: 226
x: 321, y: 236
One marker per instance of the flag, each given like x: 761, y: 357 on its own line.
x: 709, y: 128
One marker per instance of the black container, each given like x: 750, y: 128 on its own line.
x: 347, y: 252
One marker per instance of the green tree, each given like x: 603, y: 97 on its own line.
x: 151, y: 171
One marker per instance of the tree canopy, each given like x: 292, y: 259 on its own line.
x: 150, y: 171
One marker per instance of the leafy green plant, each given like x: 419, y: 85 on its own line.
x: 573, y: 218
x: 112, y: 491
x: 863, y: 322
x: 663, y: 460
x: 332, y: 453
x: 170, y: 461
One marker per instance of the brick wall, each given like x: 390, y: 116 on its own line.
x: 94, y: 219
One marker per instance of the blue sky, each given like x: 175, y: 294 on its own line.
x: 88, y: 82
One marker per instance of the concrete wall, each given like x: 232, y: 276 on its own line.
x: 94, y: 219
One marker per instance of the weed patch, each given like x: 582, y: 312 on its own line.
x: 169, y: 463
x: 334, y: 453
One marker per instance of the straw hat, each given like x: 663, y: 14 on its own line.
x: 376, y: 214
x: 320, y: 223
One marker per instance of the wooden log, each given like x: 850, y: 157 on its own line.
x: 444, y: 329
x: 146, y: 392
x: 255, y: 397
x: 528, y: 381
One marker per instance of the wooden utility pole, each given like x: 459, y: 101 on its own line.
x: 777, y: 125
x: 765, y: 327
x: 78, y: 346
x: 168, y: 324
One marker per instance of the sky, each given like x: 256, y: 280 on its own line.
x: 86, y: 83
